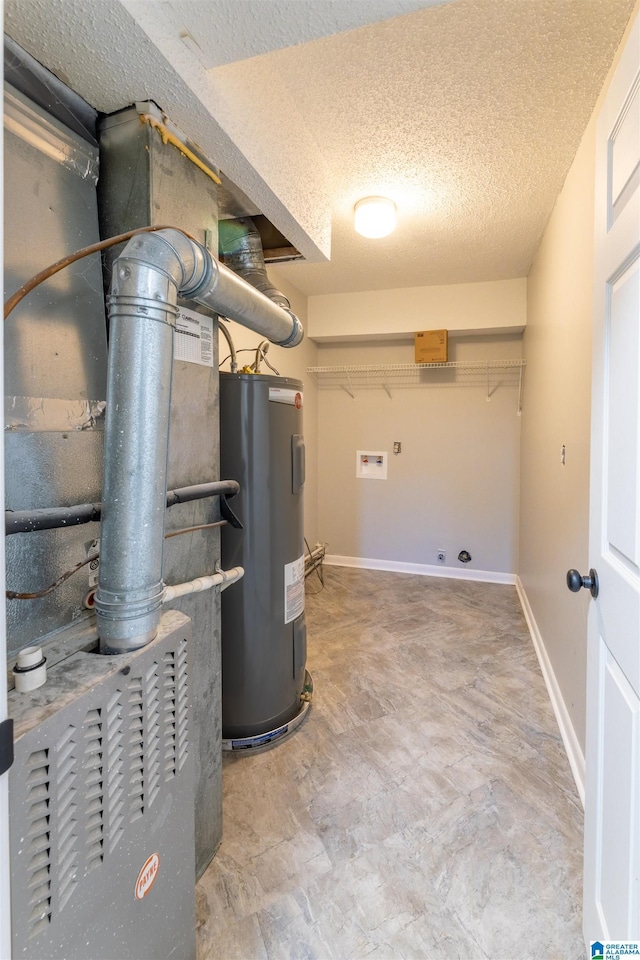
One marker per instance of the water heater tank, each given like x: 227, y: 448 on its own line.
x: 263, y: 626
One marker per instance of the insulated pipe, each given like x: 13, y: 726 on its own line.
x: 217, y: 488
x: 152, y: 271
x: 50, y: 518
x: 53, y: 518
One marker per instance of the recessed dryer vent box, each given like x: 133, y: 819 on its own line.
x: 371, y: 464
x: 431, y: 346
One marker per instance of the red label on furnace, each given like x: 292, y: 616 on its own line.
x: 147, y: 876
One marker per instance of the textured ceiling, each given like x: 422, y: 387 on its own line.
x: 466, y: 113
x: 220, y: 33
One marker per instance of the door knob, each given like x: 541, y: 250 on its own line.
x: 575, y: 582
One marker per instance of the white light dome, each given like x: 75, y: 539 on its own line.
x: 375, y: 217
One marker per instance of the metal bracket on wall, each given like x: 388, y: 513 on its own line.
x: 349, y: 389
x: 6, y: 745
x: 519, y: 410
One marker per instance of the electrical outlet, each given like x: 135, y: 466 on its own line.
x: 441, y: 556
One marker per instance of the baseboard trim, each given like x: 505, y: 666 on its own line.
x: 567, y: 732
x: 420, y: 569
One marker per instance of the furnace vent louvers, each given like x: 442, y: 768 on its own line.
x: 176, y: 740
x: 170, y: 725
x: 83, y: 825
x: 182, y: 693
x: 66, y: 776
x: 94, y: 787
x: 102, y: 793
x: 152, y: 697
x: 240, y: 247
x: 38, y: 839
x: 136, y: 749
x: 115, y: 772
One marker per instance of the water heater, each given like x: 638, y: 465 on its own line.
x: 263, y: 626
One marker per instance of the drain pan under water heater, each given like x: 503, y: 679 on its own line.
x: 263, y: 626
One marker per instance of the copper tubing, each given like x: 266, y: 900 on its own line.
x: 59, y: 265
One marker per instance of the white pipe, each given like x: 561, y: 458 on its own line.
x: 222, y: 579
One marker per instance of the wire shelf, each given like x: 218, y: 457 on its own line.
x: 488, y: 373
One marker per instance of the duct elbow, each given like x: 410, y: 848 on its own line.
x: 241, y: 251
x: 152, y: 264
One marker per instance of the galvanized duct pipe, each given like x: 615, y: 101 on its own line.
x: 153, y: 270
x: 240, y: 245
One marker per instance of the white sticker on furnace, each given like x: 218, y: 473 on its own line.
x: 193, y: 338
x: 293, y: 589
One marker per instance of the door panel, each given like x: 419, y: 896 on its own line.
x: 624, y: 166
x: 617, y: 849
x: 612, y: 788
x: 621, y: 446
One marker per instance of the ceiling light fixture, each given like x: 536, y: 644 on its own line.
x: 375, y: 217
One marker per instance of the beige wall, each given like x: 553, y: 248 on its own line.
x: 554, y: 524
x: 455, y: 484
x: 462, y: 308
x: 554, y: 500
x: 289, y: 362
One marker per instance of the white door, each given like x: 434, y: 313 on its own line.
x: 612, y: 806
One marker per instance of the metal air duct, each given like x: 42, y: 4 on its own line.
x: 240, y: 246
x: 153, y: 270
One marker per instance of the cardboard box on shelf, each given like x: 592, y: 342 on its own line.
x: 431, y: 346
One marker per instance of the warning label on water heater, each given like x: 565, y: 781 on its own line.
x: 293, y: 589
x: 286, y: 395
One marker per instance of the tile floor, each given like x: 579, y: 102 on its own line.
x: 424, y: 809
